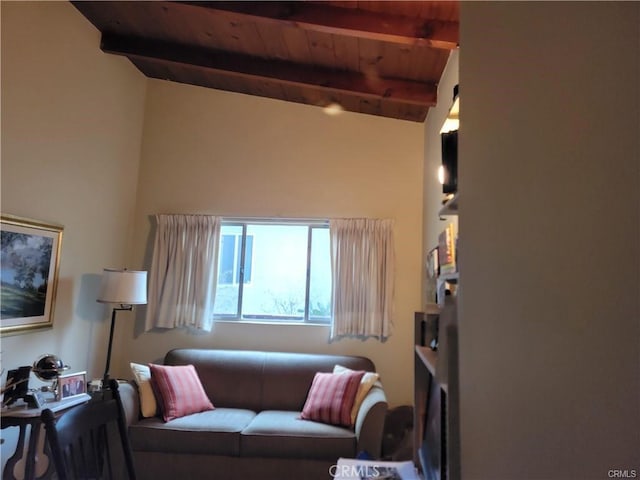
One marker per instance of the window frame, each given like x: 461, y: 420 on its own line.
x: 237, y: 270
x: 305, y: 319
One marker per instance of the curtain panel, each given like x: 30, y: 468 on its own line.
x: 182, y: 280
x: 363, y: 266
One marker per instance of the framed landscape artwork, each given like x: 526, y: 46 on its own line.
x: 29, y: 264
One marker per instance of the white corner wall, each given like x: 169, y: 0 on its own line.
x: 71, y: 131
x: 216, y: 152
x: 550, y: 215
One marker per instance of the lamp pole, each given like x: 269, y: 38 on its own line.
x: 105, y: 378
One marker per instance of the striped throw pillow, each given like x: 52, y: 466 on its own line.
x: 180, y: 390
x: 368, y: 380
x: 331, y: 398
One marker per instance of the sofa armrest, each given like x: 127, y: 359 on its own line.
x: 370, y: 422
x: 130, y: 401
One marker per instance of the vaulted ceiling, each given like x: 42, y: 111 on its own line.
x: 374, y: 57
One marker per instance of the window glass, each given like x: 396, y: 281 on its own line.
x: 274, y: 271
x: 279, y: 272
x: 248, y: 259
x: 320, y: 276
x: 226, y: 302
x: 226, y: 259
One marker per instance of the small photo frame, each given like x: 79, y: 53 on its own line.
x: 71, y: 384
x: 432, y: 272
x: 16, y: 386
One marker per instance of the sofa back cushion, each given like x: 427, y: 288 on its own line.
x: 260, y: 380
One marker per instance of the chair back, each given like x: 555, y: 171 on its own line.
x: 81, y: 440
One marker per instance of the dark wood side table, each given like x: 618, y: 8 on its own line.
x: 23, y: 417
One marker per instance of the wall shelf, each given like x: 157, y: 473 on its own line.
x: 429, y: 358
x: 432, y: 309
x: 449, y: 277
x: 450, y: 207
x: 436, y: 395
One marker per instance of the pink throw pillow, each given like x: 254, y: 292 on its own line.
x: 180, y: 390
x: 331, y: 398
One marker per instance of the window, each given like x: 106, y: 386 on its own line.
x: 230, y: 259
x: 274, y: 270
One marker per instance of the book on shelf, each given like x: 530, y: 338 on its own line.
x: 447, y: 250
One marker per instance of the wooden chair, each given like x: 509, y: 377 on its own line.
x: 79, y: 440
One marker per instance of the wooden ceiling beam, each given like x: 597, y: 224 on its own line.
x: 350, y: 22
x: 353, y: 83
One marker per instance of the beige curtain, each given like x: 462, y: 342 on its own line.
x: 363, y: 265
x: 182, y: 279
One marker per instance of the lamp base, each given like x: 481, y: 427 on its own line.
x: 94, y: 385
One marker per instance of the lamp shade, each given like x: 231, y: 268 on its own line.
x: 126, y: 287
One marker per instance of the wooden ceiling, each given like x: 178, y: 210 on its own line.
x: 374, y: 57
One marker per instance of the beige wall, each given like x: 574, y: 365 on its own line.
x: 215, y: 152
x: 550, y: 215
x: 71, y: 130
x: 74, y: 132
x: 549, y: 317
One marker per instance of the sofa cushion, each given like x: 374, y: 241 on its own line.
x: 288, y: 376
x: 232, y: 379
x: 212, y: 432
x: 180, y: 390
x: 260, y: 380
x: 142, y: 375
x: 368, y: 380
x: 277, y: 433
x: 331, y: 398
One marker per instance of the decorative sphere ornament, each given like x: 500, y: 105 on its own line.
x: 48, y: 366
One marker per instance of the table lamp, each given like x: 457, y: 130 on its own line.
x: 125, y: 288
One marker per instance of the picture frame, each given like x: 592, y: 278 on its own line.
x: 16, y: 386
x: 71, y: 385
x: 29, y: 269
x: 432, y: 268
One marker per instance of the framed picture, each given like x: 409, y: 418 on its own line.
x: 16, y: 386
x: 71, y: 384
x: 29, y: 265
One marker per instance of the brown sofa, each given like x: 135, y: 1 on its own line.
x: 255, y: 431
